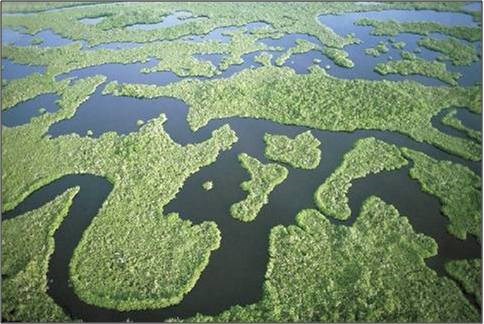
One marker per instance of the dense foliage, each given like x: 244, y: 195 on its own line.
x: 135, y: 256
x: 393, y: 28
x: 457, y: 187
x: 378, y: 50
x: 27, y: 244
x: 263, y: 58
x: 458, y: 52
x: 415, y: 65
x: 302, y: 46
x: 300, y: 152
x: 263, y: 179
x: 339, y: 57
x: 468, y: 274
x: 320, y: 101
x: 369, y: 155
x: 147, y: 169
x: 373, y: 271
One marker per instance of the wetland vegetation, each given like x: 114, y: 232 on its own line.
x: 300, y: 152
x: 393, y: 28
x: 314, y: 265
x: 456, y: 51
x: 25, y: 262
x: 263, y: 179
x: 368, y: 156
x: 413, y: 65
x: 249, y: 91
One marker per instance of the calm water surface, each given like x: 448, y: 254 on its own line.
x: 236, y: 271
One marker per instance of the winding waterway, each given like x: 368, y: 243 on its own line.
x: 235, y: 273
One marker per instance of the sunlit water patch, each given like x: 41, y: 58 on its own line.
x: 12, y: 70
x: 24, y: 111
x: 106, y: 113
x: 365, y: 64
x: 215, y: 59
x: 473, y: 6
x: 220, y: 34
x: 124, y: 73
x: 48, y: 37
x: 341, y: 23
x: 470, y: 119
x: 174, y: 19
x: 15, y: 37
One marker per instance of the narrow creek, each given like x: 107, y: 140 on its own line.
x: 236, y: 270
x: 235, y: 273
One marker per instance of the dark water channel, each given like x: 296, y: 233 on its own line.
x: 466, y: 117
x: 345, y: 24
x: 235, y: 273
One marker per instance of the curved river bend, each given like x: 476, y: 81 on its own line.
x: 236, y: 270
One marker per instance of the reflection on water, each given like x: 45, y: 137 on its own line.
x: 473, y: 6
x: 344, y: 24
x: 236, y: 271
x: 12, y: 70
x: 175, y: 19
x: 24, y: 111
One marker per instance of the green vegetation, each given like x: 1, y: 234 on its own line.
x: 284, y: 18
x: 264, y: 58
x: 207, y: 185
x: 242, y: 43
x: 302, y: 46
x: 452, y: 121
x: 458, y: 52
x: 457, y: 187
x: 301, y: 152
x: 399, y: 45
x: 20, y: 90
x: 393, y: 28
x: 406, y: 55
x: 373, y: 271
x: 37, y: 41
x: 122, y: 274
x: 136, y: 256
x: 378, y: 50
x: 27, y: 244
x: 281, y: 17
x: 369, y: 155
x: 263, y: 179
x: 415, y: 65
x: 320, y: 101
x: 339, y: 57
x: 468, y: 274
